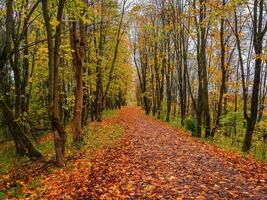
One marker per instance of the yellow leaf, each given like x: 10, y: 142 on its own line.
x: 54, y: 23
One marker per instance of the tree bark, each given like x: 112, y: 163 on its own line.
x: 223, y: 80
x: 23, y: 144
x: 78, y: 45
x: 53, y: 94
x: 258, y: 35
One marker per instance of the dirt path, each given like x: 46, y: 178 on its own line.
x: 155, y: 161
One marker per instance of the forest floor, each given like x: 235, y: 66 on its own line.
x: 153, y: 160
x: 156, y: 161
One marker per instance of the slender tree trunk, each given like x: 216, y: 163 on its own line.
x: 99, y: 76
x: 263, y: 94
x: 77, y: 44
x: 223, y: 71
x: 17, y: 77
x: 23, y: 144
x: 258, y: 35
x: 119, y: 35
x: 203, y: 65
x: 53, y: 94
x: 168, y: 81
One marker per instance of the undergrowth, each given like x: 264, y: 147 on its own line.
x: 92, y: 136
x: 226, y: 137
x: 96, y: 137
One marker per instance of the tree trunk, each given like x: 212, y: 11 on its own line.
x: 168, y: 81
x: 258, y: 35
x: 203, y: 66
x: 77, y: 45
x: 23, y: 144
x: 53, y: 94
x: 223, y: 81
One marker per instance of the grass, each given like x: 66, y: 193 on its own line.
x: 235, y: 145
x: 221, y: 140
x: 107, y: 114
x: 35, y: 184
x: 2, y: 194
x: 174, y: 121
x: 9, y: 158
x: 96, y: 137
x: 103, y: 137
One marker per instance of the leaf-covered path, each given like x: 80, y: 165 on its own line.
x: 156, y: 161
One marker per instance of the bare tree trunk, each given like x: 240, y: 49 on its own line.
x: 119, y: 35
x: 23, y: 144
x: 263, y: 94
x: 168, y: 81
x: 203, y: 65
x: 53, y: 97
x: 99, y: 76
x: 223, y: 71
x: 258, y: 35
x: 199, y: 105
x: 78, y: 44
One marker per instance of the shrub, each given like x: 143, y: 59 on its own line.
x: 191, y: 125
x: 231, y: 122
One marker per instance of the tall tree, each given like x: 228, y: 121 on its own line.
x: 53, y: 45
x: 223, y: 71
x: 259, y: 31
x: 22, y: 142
x: 78, y: 50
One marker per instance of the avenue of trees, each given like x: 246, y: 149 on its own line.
x: 204, y: 62
x: 61, y: 62
x: 201, y: 64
